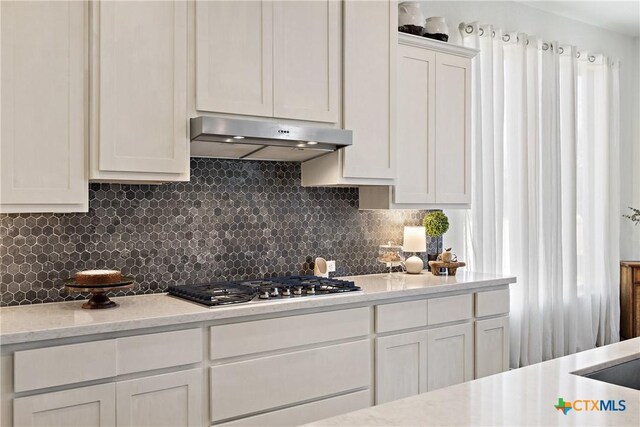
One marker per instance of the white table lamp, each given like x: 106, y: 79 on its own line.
x: 415, y: 240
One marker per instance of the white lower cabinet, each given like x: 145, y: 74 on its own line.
x: 279, y: 371
x: 447, y: 341
x: 401, y: 366
x: 449, y: 355
x: 308, y: 412
x: 81, y: 407
x: 266, y: 383
x: 492, y: 346
x: 173, y: 399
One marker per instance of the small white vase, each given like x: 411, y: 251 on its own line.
x: 410, y: 18
x: 436, y: 28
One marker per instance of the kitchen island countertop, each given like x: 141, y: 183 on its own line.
x: 66, y: 319
x: 520, y: 397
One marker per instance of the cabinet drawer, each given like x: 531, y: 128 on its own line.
x: 491, y: 303
x: 156, y: 351
x: 449, y: 309
x: 270, y: 382
x: 65, y: 364
x: 401, y: 315
x: 303, y: 414
x: 272, y: 334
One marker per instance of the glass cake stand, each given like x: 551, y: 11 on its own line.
x: 99, y: 298
x: 390, y: 255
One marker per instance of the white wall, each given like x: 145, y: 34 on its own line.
x: 513, y: 16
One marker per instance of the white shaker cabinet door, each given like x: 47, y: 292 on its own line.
x: 450, y: 355
x: 401, y: 368
x: 93, y: 406
x: 234, y: 54
x: 139, y: 89
x: 492, y: 346
x: 416, y: 174
x: 173, y: 399
x: 453, y: 129
x: 370, y: 43
x: 307, y: 60
x: 43, y: 106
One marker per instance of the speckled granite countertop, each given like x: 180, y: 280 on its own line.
x: 520, y: 397
x: 60, y: 320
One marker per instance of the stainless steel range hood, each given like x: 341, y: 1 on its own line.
x: 262, y: 140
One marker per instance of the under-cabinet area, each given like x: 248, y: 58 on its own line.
x: 291, y: 367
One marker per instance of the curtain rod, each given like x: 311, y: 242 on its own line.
x: 468, y: 29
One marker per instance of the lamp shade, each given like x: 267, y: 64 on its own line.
x: 415, y: 239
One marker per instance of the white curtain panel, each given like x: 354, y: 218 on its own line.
x: 545, y: 189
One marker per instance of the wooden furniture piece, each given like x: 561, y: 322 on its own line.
x: 629, y: 299
x: 99, y: 298
x: 437, y: 266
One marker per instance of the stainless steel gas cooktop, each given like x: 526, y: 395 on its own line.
x: 278, y: 288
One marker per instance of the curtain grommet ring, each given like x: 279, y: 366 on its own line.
x: 527, y: 42
x: 493, y: 34
x: 545, y: 46
x: 561, y: 50
x: 506, y: 37
x: 468, y: 29
x: 592, y: 58
x: 481, y: 31
x: 578, y: 55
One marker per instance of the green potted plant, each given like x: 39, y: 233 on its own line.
x: 436, y: 224
x: 635, y: 216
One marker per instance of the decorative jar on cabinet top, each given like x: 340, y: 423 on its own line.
x: 410, y: 18
x: 436, y: 28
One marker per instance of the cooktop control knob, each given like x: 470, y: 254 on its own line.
x: 297, y: 290
x: 264, y: 294
x: 286, y: 292
x: 274, y: 292
x: 311, y: 290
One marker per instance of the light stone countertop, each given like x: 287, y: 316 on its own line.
x: 67, y: 319
x: 520, y: 397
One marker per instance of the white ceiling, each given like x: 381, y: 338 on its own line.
x: 614, y: 15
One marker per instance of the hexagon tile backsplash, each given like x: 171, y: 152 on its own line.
x: 233, y: 220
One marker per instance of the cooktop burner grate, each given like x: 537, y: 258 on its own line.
x: 277, y: 288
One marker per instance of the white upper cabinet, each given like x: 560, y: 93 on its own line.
x: 307, y: 62
x: 269, y: 58
x: 369, y: 100
x: 453, y: 129
x: 139, y: 91
x: 434, y: 129
x: 370, y: 42
x: 234, y: 54
x: 416, y: 178
x: 43, y: 106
